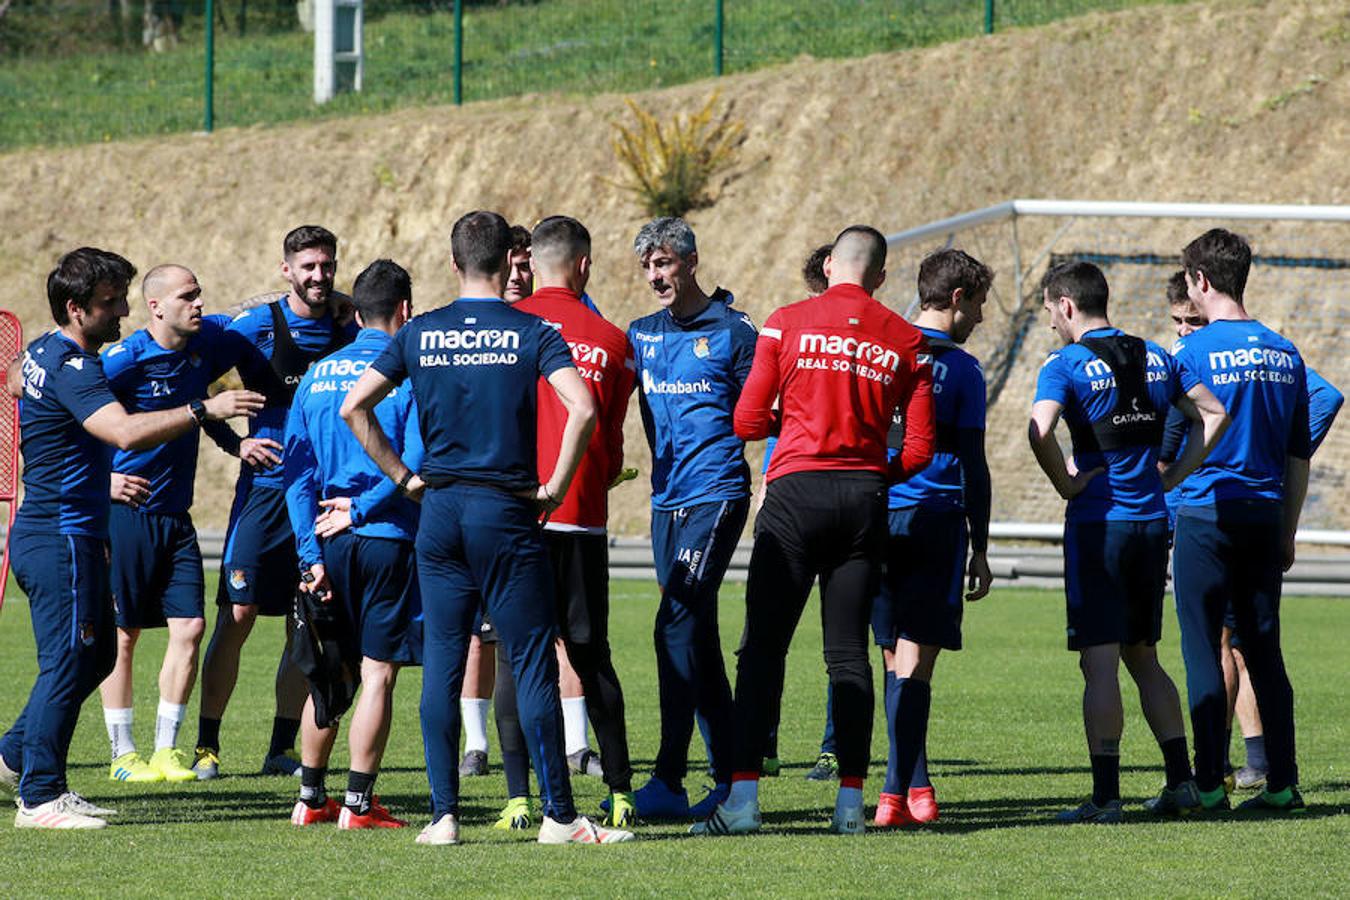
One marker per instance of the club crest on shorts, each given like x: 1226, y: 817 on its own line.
x: 238, y: 579
x: 701, y: 348
x: 87, y: 634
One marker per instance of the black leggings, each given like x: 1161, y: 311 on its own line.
x: 826, y: 524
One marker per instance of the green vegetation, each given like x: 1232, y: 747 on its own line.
x: 65, y: 78
x: 669, y: 166
x: 1006, y: 741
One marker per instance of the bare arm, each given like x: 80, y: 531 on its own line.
x: 580, y: 405
x: 1041, y: 434
x: 1209, y: 420
x: 112, y: 424
x: 358, y: 411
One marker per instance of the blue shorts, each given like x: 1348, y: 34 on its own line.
x: 1115, y: 574
x: 260, y: 566
x: 156, y: 568
x: 920, y: 598
x: 375, y: 585
x: 692, y: 546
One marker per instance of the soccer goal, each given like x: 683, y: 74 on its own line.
x: 1299, y: 285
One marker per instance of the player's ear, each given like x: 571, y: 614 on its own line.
x: 957, y: 294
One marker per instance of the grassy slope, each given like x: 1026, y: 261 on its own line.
x: 1006, y: 740
x: 576, y: 46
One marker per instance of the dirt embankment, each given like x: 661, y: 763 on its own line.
x: 1232, y: 102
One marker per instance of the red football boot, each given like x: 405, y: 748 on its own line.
x: 892, y: 812
x: 378, y: 817
x: 304, y: 814
x: 923, y: 806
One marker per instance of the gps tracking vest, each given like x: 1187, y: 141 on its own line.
x: 289, y: 363
x: 944, y: 432
x: 1134, y: 421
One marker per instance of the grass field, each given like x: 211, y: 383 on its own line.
x: 1006, y: 740
x: 93, y: 92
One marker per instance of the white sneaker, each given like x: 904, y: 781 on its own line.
x: 580, y: 830
x: 743, y: 819
x: 848, y: 819
x: 444, y: 830
x: 59, y: 814
x: 9, y: 779
x: 85, y: 808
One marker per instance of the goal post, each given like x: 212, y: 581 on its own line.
x: 1299, y: 285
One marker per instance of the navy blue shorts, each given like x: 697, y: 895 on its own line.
x: 156, y: 568
x: 375, y: 584
x: 1115, y: 574
x: 920, y: 598
x: 260, y: 566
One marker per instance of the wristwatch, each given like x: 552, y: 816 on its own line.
x: 403, y: 482
x: 198, y: 410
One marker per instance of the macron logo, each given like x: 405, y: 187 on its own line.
x: 1268, y: 357
x: 651, y: 386
x: 587, y: 355
x: 853, y: 348
x: 470, y: 339
x: 339, y: 368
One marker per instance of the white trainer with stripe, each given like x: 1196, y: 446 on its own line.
x: 580, y: 830
x: 60, y: 813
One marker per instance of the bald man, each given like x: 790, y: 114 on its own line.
x: 156, y: 563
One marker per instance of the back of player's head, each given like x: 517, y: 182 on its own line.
x: 1224, y: 257
x: 79, y: 273
x: 943, y: 271
x: 860, y: 249
x: 520, y: 238
x: 1081, y: 282
x: 378, y: 291
x: 669, y: 232
x: 1177, y: 293
x: 813, y: 270
x: 307, y: 237
x: 559, y: 240
x: 158, y: 279
x: 479, y: 243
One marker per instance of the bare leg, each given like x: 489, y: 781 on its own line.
x: 1157, y: 693
x: 369, y: 731
x: 220, y: 667
x: 480, y: 672
x: 316, y: 744
x: 116, y: 688
x: 1230, y: 673
x: 179, y: 672
x: 1103, y: 713
x: 911, y: 660
x: 569, y: 683
x: 1249, y: 716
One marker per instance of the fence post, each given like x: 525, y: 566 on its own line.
x: 209, y: 101
x: 988, y: 16
x: 459, y: 52
x: 717, y: 41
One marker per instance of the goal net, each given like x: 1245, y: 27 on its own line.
x: 1299, y: 285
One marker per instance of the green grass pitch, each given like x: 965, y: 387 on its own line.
x: 1006, y: 742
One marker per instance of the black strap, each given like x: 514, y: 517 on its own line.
x: 946, y: 434
x: 289, y: 362
x: 1134, y: 421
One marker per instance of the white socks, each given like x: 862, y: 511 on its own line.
x: 474, y: 714
x: 119, y: 731
x: 167, y: 722
x: 574, y: 724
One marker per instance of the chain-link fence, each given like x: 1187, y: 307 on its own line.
x: 73, y: 71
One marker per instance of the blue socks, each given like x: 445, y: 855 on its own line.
x: 907, y: 704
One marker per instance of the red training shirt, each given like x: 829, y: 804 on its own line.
x: 839, y: 365
x: 604, y: 359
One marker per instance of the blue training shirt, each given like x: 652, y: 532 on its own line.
x: 1259, y: 377
x: 145, y: 377
x: 65, y: 468
x: 1130, y: 489
x: 690, y: 374
x: 475, y: 367
x: 959, y: 401
x: 324, y: 459
x: 253, y: 333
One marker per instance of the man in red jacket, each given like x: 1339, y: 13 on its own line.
x: 838, y: 365
x: 575, y: 532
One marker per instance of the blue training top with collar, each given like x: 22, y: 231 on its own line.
x: 690, y: 374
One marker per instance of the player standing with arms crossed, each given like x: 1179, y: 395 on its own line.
x: 1238, y: 517
x: 839, y: 366
x: 60, y: 538
x: 693, y: 357
x: 474, y: 368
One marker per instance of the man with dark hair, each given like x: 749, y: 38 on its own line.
x: 60, y: 538
x: 1113, y: 390
x: 156, y: 564
x: 837, y: 367
x: 1238, y: 516
x: 355, y: 540
x: 813, y: 270
x: 575, y: 533
x: 259, y: 575
x: 693, y: 356
x: 479, y: 361
x: 934, y: 518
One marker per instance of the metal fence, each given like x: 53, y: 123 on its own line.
x: 73, y: 71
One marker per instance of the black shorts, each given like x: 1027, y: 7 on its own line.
x: 580, y: 584
x: 1114, y: 577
